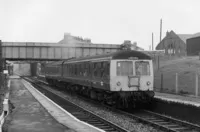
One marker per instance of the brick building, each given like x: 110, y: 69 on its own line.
x: 74, y: 40
x: 175, y: 44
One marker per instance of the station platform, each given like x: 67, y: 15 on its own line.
x: 182, y: 99
x: 29, y: 114
x: 182, y: 107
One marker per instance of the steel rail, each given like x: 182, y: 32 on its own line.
x: 157, y: 120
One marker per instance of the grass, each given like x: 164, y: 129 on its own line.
x: 185, y: 67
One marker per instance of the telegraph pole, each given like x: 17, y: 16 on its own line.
x: 152, y: 41
x: 160, y: 29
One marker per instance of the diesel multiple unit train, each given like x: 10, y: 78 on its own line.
x: 123, y: 78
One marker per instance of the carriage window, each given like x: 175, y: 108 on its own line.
x: 142, y: 68
x: 124, y: 68
x: 95, y: 69
x: 106, y: 69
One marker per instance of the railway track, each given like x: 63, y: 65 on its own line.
x: 78, y: 111
x: 160, y: 121
x: 163, y: 122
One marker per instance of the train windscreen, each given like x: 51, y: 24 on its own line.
x: 142, y: 68
x: 124, y: 68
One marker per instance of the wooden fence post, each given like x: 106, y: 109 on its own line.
x: 176, y: 83
x: 158, y: 62
x: 196, y: 86
x: 161, y: 83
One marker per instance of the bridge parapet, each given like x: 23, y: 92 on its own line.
x: 53, y: 51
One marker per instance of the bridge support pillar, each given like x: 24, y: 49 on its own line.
x: 33, y: 68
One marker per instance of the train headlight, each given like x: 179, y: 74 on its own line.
x: 118, y: 83
x: 148, y: 83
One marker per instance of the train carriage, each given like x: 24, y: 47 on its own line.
x: 123, y: 75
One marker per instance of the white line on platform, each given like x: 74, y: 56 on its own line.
x: 178, y: 101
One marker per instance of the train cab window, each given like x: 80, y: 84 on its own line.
x: 142, y: 68
x: 124, y: 68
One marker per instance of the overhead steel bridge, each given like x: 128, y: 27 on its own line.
x: 18, y: 51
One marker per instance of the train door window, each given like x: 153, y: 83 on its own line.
x: 95, y: 69
x: 91, y: 69
x: 102, y: 69
x: 80, y: 66
x: 82, y: 69
x: 106, y: 69
x: 87, y: 69
x: 78, y: 69
x: 70, y: 69
x: 67, y: 69
x: 64, y: 69
x: 99, y: 69
x: 75, y: 69
x: 67, y: 66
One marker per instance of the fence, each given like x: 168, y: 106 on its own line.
x: 179, y: 83
x: 177, y: 74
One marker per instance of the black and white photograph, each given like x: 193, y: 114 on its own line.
x: 99, y: 66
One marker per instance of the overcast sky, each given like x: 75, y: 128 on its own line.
x: 104, y: 21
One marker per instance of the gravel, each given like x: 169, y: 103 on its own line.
x: 123, y: 121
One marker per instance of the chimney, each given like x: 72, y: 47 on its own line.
x: 167, y: 33
x: 135, y: 43
x: 66, y: 36
x: 127, y: 42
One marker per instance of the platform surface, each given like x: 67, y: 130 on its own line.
x: 28, y: 114
x: 183, y: 99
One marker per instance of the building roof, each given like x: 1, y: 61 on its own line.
x: 184, y: 37
x: 196, y: 35
x: 123, y: 54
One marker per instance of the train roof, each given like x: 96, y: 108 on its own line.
x: 116, y: 55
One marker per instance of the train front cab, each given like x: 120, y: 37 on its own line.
x: 132, y: 75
